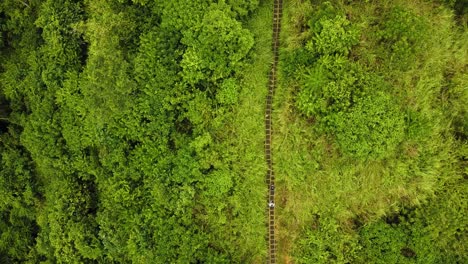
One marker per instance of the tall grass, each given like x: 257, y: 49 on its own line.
x: 317, y: 184
x: 247, y: 131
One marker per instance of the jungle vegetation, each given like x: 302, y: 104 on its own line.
x: 372, y: 122
x: 131, y: 131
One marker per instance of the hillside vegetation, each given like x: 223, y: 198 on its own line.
x: 373, y: 122
x: 121, y: 137
x: 132, y: 131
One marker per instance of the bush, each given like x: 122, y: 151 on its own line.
x: 351, y: 104
x: 403, y: 35
x: 382, y: 243
x: 294, y: 62
x: 333, y: 36
x: 432, y: 233
x: 372, y: 129
x: 215, y: 48
x: 330, y: 86
x: 228, y: 92
x: 243, y: 7
x: 326, y: 243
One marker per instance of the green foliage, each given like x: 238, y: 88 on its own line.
x: 215, y: 48
x: 326, y: 243
x: 228, y: 93
x: 130, y: 131
x: 331, y: 85
x: 372, y: 129
x: 383, y: 243
x: 332, y: 36
x: 432, y: 233
x: 4, y: 109
x: 450, y: 3
x: 174, y: 14
x: 342, y: 95
x: 70, y: 221
x: 129, y: 148
x: 372, y: 126
x: 18, y: 190
x: 294, y: 61
x: 404, y: 35
x: 343, y: 98
x: 243, y: 7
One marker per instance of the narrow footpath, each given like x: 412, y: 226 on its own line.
x: 270, y: 177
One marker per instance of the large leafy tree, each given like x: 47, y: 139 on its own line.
x: 216, y: 46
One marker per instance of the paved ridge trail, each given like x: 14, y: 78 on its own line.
x: 270, y: 176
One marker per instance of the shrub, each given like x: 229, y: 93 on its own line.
x: 243, y: 7
x: 382, y: 243
x: 372, y: 129
x: 329, y: 86
x: 326, y: 244
x: 351, y: 104
x: 294, y: 62
x: 403, y: 35
x: 228, y: 92
x: 215, y: 48
x: 333, y: 36
x: 332, y: 32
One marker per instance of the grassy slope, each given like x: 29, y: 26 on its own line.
x: 292, y: 155
x: 248, y: 127
x: 319, y: 187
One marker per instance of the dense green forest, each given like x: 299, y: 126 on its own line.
x: 131, y: 131
x: 119, y: 141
